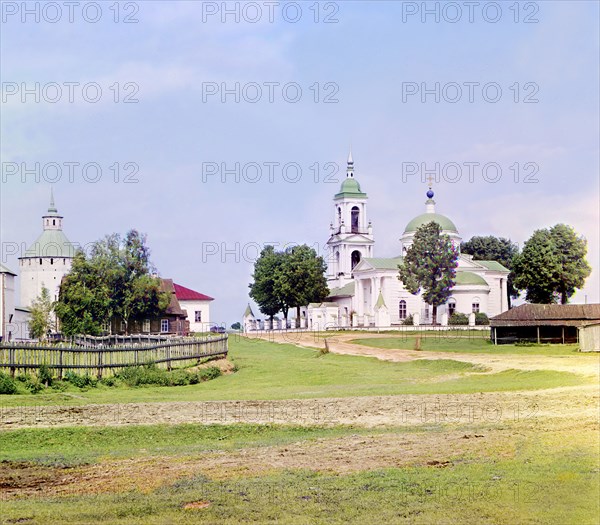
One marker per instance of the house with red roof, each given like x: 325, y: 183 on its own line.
x: 197, y: 306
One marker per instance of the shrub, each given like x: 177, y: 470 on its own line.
x: 85, y: 381
x: 458, y: 319
x: 34, y: 385
x: 481, y: 319
x: 148, y: 374
x: 206, y: 374
x: 45, y: 375
x: 109, y: 381
x: 408, y: 321
x: 7, y: 384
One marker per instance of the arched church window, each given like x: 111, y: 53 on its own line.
x: 355, y: 258
x: 53, y: 222
x: 402, y: 309
x: 339, y: 216
x: 355, y: 213
x: 51, y: 261
x: 40, y: 261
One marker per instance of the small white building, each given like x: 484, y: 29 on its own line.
x: 197, y: 306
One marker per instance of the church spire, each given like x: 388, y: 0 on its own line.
x: 350, y: 168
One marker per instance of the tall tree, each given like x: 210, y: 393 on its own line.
x: 430, y: 264
x: 265, y: 286
x: 552, y: 265
x: 115, y: 281
x: 490, y: 248
x: 41, y: 315
x: 302, y: 279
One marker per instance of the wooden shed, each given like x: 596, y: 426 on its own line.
x: 589, y: 337
x: 543, y: 323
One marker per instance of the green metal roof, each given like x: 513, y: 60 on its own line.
x: 350, y: 188
x: 248, y: 312
x: 384, y: 264
x: 4, y: 269
x: 469, y: 278
x: 344, y: 291
x: 425, y: 218
x: 51, y: 243
x: 493, y: 265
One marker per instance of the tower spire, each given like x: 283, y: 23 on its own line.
x: 52, y: 208
x: 350, y: 168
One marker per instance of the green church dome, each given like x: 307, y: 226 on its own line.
x: 350, y: 188
x: 445, y: 223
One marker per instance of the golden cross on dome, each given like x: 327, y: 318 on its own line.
x: 430, y: 179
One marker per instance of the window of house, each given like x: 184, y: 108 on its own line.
x: 198, y: 316
x: 146, y: 326
x: 475, y: 308
x: 164, y: 325
x: 123, y: 326
x: 402, y: 309
x: 451, y: 307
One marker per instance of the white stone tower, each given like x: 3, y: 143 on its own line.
x: 47, y: 260
x: 351, y: 234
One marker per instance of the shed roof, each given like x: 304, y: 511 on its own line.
x: 548, y: 314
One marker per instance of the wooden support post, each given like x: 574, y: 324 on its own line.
x: 11, y: 361
x: 563, y: 335
x: 538, y: 335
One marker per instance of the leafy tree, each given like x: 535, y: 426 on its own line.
x: 41, y: 315
x: 302, y: 279
x: 552, y: 265
x: 490, y: 248
x: 430, y: 264
x: 115, y: 281
x: 236, y: 326
x: 265, y: 286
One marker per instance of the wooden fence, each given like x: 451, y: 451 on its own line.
x: 105, y: 355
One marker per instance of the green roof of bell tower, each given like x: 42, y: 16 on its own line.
x: 350, y: 187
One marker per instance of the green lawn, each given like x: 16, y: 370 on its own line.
x: 278, y: 371
x: 548, y: 479
x: 448, y: 342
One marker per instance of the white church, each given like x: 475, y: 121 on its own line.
x: 365, y: 290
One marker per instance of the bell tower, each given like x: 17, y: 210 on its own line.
x: 351, y: 234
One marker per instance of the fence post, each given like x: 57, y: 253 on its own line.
x: 11, y: 361
x: 60, y: 362
x: 99, y: 364
x: 169, y: 358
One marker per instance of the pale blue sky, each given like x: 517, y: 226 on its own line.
x: 170, y: 52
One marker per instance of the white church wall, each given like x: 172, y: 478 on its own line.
x: 42, y: 272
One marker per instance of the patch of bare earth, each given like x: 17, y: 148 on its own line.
x: 434, y: 449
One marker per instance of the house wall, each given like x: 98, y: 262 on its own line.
x: 7, y: 306
x: 191, y: 307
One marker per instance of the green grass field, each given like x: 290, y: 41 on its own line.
x: 268, y: 371
x: 442, y: 342
x: 533, y: 470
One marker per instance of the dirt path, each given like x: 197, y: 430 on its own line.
x: 371, y: 411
